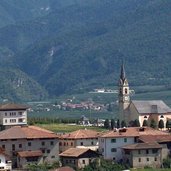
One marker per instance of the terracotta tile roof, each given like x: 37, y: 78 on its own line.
x: 139, y: 146
x: 74, y: 152
x: 80, y: 134
x: 12, y: 106
x: 36, y: 153
x: 23, y: 132
x: 132, y: 132
x: 155, y: 138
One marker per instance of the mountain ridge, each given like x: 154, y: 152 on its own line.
x: 80, y: 45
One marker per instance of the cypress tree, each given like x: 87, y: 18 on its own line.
x: 161, y: 124
x: 145, y: 123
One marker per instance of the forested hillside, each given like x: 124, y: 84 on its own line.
x: 73, y: 45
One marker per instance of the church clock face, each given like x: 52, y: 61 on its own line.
x: 126, y: 98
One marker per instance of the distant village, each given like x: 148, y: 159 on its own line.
x: 139, y: 138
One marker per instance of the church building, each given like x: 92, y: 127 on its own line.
x: 130, y: 110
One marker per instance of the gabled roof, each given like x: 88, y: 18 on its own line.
x: 132, y: 132
x: 75, y: 152
x: 36, y: 153
x: 151, y: 106
x: 81, y: 134
x: 139, y: 146
x: 12, y: 106
x: 155, y: 138
x: 26, y: 132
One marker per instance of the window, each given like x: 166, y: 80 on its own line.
x: 64, y: 143
x: 71, y: 143
x: 20, y: 145
x: 52, y: 157
x: 83, y: 161
x: 51, y: 143
x: 125, y: 139
x: 20, y: 113
x: 145, y: 117
x: 13, y: 146
x: 113, y: 149
x: 114, y: 158
x: 139, y: 151
x: 147, y: 152
x: 92, y: 143
x: 29, y: 143
x: 139, y: 159
x: 126, y: 91
x: 60, y: 143
x: 127, y: 152
x: 32, y: 159
x: 154, y: 151
x: 12, y: 120
x: 81, y: 143
x: 43, y: 143
x: 161, y: 116
x: 5, y: 114
x: 147, y: 159
x: 20, y: 120
x: 0, y: 160
x: 155, y: 159
x: 43, y: 150
x: 5, y: 120
x: 3, y: 146
x: 113, y: 140
x: 48, y: 151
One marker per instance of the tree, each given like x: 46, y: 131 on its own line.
x: 161, y: 124
x: 123, y: 124
x: 153, y: 124
x: 112, y: 123
x: 145, y: 123
x: 106, y: 124
x: 136, y: 123
x: 118, y: 123
x: 168, y: 124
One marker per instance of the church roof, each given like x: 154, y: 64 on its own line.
x: 151, y: 106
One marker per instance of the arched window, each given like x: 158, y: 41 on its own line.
x: 161, y: 116
x: 126, y: 91
x: 145, y: 117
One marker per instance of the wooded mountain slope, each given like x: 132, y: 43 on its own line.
x: 79, y: 45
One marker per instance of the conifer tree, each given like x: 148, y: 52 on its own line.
x: 153, y: 124
x: 145, y: 123
x: 123, y: 124
x: 161, y: 124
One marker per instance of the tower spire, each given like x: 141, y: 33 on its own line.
x: 123, y: 75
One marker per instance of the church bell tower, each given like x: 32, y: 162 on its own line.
x: 124, y: 96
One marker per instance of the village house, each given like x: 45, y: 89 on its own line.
x: 82, y: 138
x: 78, y: 157
x: 5, y: 163
x: 111, y: 143
x: 29, y: 144
x: 143, y: 154
x: 12, y: 115
x: 163, y: 140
